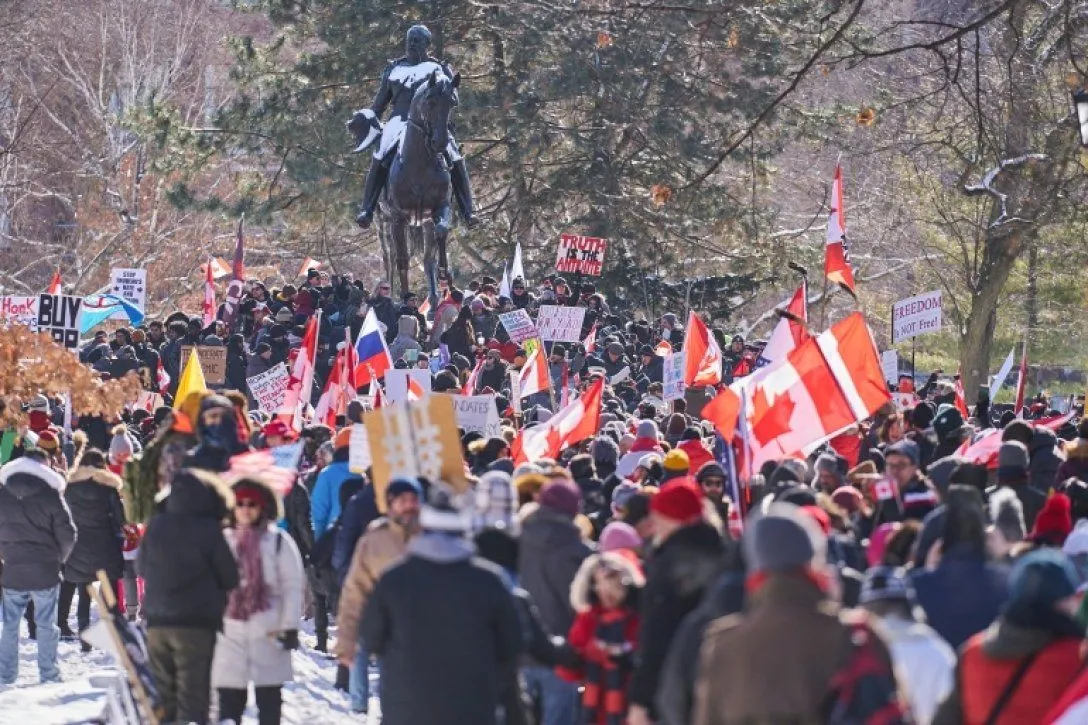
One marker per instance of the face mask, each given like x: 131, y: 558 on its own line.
x: 223, y: 435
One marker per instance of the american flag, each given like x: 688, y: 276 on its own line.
x: 260, y: 465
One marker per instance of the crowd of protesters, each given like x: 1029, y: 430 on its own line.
x: 882, y: 579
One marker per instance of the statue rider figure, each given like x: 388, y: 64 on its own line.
x: 397, y: 88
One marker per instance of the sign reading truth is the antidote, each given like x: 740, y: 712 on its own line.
x: 583, y: 255
x: 59, y: 316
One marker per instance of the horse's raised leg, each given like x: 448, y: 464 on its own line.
x: 400, y: 247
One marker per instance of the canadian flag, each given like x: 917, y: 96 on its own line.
x: 837, y: 255
x: 702, y: 355
x: 788, y: 334
x: 470, y: 383
x: 209, y: 295
x: 590, y: 343
x: 961, y: 398
x: 534, y: 376
x: 663, y: 349
x: 218, y: 265
x: 340, y: 386
x: 828, y: 384
x: 54, y: 287
x: 569, y: 426
x: 301, y: 383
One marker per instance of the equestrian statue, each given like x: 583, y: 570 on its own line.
x: 416, y: 163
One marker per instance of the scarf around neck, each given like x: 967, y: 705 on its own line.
x: 251, y: 595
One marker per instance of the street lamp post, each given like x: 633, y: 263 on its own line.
x: 1080, y: 100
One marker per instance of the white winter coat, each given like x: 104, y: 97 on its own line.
x: 924, y: 663
x: 248, y: 651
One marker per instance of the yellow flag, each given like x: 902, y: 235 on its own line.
x: 192, y: 379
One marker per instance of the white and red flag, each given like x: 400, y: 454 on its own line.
x: 590, y: 343
x: 571, y: 425
x: 535, y: 377
x: 837, y: 254
x: 1022, y: 383
x: 470, y: 383
x: 209, y: 294
x: 301, y: 382
x: 790, y: 332
x: 702, y: 355
x: 340, y: 386
x: 828, y: 384
x: 55, y: 285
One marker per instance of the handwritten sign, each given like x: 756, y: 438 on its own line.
x: 519, y: 326
x: 889, y: 364
x: 916, y: 316
x: 287, y: 456
x: 59, y: 316
x: 560, y: 324
x: 213, y: 360
x: 584, y: 255
x: 477, y: 413
x: 673, y: 377
x: 269, y: 388
x: 19, y: 310
x: 131, y: 286
x: 358, y: 449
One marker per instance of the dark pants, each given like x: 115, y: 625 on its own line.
x: 232, y: 703
x: 68, y: 591
x: 181, y: 662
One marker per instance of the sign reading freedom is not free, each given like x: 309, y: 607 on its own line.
x: 916, y: 316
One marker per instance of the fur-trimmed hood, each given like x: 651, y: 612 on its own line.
x: 1077, y: 449
x: 273, y: 503
x: 16, y: 474
x: 100, y: 476
x: 626, y: 561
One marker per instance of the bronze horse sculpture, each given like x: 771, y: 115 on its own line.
x: 415, y: 205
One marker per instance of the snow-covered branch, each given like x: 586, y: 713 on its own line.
x: 986, y: 185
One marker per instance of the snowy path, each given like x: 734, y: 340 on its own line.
x: 310, y: 699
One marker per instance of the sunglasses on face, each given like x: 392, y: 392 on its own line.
x: 247, y: 505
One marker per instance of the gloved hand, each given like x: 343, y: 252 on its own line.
x: 288, y: 639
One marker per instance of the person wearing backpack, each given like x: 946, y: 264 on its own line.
x: 1015, y: 671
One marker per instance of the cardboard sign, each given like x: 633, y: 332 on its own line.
x: 519, y: 326
x: 904, y: 401
x: 673, y: 378
x: 415, y: 439
x: 398, y: 383
x: 19, y: 310
x: 358, y: 449
x: 560, y: 324
x: 916, y: 316
x: 269, y: 388
x: 213, y: 360
x: 477, y: 413
x: 148, y: 401
x: 889, y: 363
x: 59, y: 316
x: 583, y: 255
x: 131, y: 286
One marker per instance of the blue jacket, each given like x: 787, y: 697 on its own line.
x: 963, y: 595
x: 360, y: 511
x: 325, y: 498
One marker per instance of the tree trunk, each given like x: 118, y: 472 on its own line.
x: 1000, y: 256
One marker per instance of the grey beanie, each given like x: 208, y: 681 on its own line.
x: 783, y: 538
x: 940, y: 472
x: 647, y: 429
x: 1012, y: 461
x: 1007, y: 513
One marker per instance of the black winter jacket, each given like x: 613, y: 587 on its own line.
x: 36, y: 529
x: 447, y: 634
x: 550, y: 552
x: 677, y: 576
x: 187, y: 565
x: 93, y: 496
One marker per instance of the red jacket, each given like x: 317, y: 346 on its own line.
x: 697, y: 454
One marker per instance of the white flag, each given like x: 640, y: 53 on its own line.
x: 1002, y: 374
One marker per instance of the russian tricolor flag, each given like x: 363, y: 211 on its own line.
x: 373, y: 354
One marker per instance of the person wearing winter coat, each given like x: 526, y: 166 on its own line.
x: 93, y: 496
x: 460, y: 336
x: 1015, y: 670
x: 325, y: 496
x: 1014, y: 472
x: 1076, y: 457
x: 1046, y: 457
x: 925, y: 661
x: 260, y: 627
x: 36, y: 538
x: 605, y: 632
x: 188, y: 570
x: 687, y: 556
x: 550, y: 553
x: 442, y: 624
x: 407, y: 338
x: 385, y: 541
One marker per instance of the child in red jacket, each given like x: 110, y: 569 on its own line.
x: 605, y: 633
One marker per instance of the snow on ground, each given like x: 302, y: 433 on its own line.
x: 310, y: 699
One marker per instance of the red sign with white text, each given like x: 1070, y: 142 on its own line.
x: 584, y: 255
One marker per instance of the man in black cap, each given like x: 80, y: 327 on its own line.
x: 914, y: 495
x: 1013, y: 462
x: 920, y: 430
x: 411, y: 308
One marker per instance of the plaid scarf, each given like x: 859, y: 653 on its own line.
x: 604, y: 700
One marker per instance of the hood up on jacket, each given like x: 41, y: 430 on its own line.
x: 581, y: 598
x: 196, y: 492
x: 408, y: 326
x: 19, y: 476
x: 101, y: 476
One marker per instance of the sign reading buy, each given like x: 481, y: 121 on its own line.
x: 916, y: 316
x: 584, y: 255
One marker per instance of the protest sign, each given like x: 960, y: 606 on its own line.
x: 673, y: 376
x: 904, y: 401
x: 398, y: 383
x: 358, y: 449
x: 916, y: 316
x: 515, y: 390
x: 560, y: 324
x: 287, y: 456
x: 269, y: 388
x: 477, y: 413
x: 213, y: 360
x: 519, y: 326
x: 148, y: 401
x: 59, y: 316
x: 131, y: 286
x: 19, y: 310
x: 584, y: 255
x: 889, y: 363
x: 413, y: 439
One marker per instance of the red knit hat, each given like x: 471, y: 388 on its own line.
x: 1054, y: 522
x: 679, y: 500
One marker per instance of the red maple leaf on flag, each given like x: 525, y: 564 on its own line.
x: 770, y: 419
x: 554, y: 442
